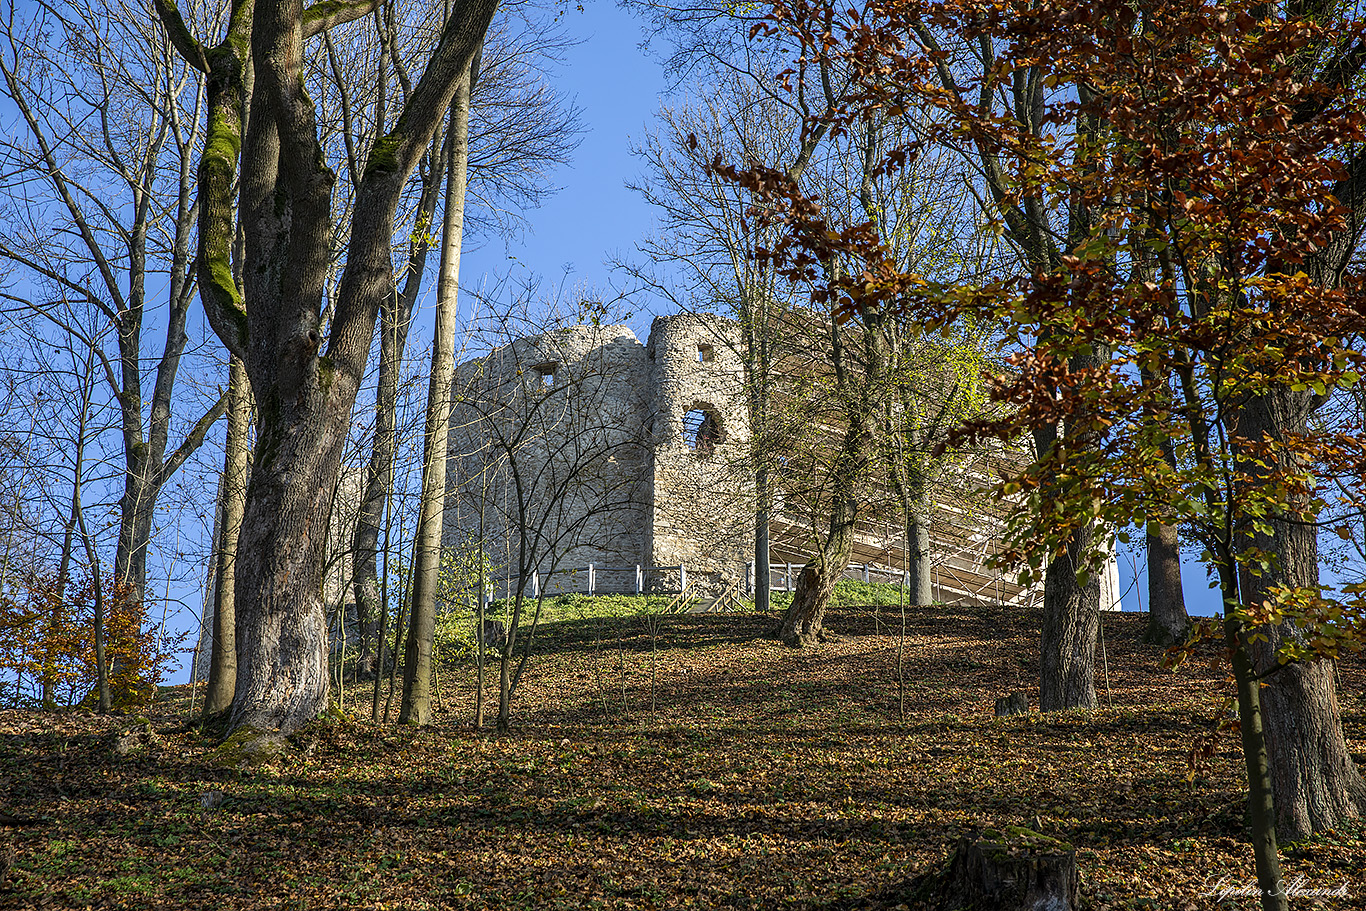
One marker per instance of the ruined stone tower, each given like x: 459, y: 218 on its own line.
x: 584, y: 447
x: 614, y: 453
x: 700, y: 514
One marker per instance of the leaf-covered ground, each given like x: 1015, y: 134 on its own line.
x: 761, y: 778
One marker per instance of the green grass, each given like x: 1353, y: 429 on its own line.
x: 557, y: 608
x: 848, y: 593
x: 455, y: 628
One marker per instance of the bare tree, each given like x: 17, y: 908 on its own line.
x: 304, y: 390
x: 707, y: 254
x: 518, y: 128
x: 232, y: 498
x: 717, y: 235
x: 547, y: 459
x: 109, y: 132
x: 417, y: 665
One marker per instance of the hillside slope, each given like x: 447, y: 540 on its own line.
x: 761, y: 778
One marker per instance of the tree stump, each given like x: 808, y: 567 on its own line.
x: 1017, y: 870
x: 1016, y: 703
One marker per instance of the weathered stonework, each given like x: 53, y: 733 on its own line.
x: 548, y: 441
x: 700, y: 488
x: 617, y: 454
x: 582, y: 436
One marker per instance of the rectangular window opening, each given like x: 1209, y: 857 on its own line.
x: 705, y: 354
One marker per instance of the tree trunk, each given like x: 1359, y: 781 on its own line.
x: 395, y: 320
x: 54, y: 617
x: 417, y: 665
x: 1071, y: 625
x: 1316, y: 782
x: 1071, y: 610
x: 763, y: 565
x: 1251, y: 726
x: 64, y: 567
x: 148, y: 466
x: 504, y: 722
x: 1167, y: 619
x: 381, y: 648
x: 803, y: 623
x: 1015, y: 871
x: 101, y: 614
x: 223, y: 656
x: 919, y: 559
x: 304, y: 399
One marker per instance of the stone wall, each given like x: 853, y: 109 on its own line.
x: 582, y: 437
x: 547, y: 455
x: 701, y: 510
x: 610, y: 452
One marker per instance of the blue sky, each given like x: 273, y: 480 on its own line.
x: 593, y: 216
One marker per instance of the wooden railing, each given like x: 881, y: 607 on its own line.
x: 682, y: 601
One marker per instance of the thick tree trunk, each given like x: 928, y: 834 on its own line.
x: 417, y: 664
x: 1013, y: 871
x: 1071, y: 610
x: 803, y: 622
x: 304, y: 400
x: 1167, y: 619
x: 1071, y: 624
x: 1316, y: 782
x: 223, y: 656
x: 860, y: 396
x: 282, y: 679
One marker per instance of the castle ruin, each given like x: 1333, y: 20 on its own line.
x: 614, y: 466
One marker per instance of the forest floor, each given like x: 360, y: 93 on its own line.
x: 717, y: 769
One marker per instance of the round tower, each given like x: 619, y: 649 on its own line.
x: 701, y: 509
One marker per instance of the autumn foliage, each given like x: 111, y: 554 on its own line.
x: 1196, y: 157
x: 1184, y: 183
x: 47, y: 643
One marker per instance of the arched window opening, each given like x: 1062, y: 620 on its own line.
x: 702, y: 431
